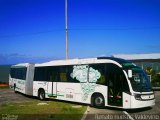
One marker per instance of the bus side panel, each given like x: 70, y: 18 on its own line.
x: 126, y: 100
x: 77, y: 93
x: 20, y: 85
x: 40, y: 85
x: 11, y: 81
x: 29, y: 80
x: 70, y: 92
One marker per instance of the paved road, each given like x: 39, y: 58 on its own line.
x: 100, y: 114
x: 8, y: 96
x: 110, y: 113
x: 154, y: 111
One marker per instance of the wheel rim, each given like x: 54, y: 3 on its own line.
x: 41, y: 95
x: 99, y: 101
x: 14, y: 87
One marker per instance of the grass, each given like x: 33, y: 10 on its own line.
x: 53, y: 110
x: 4, y: 87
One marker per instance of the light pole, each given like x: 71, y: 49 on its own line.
x: 66, y: 20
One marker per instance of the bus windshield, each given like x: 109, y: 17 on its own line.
x: 140, y: 81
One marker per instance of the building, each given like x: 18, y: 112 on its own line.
x: 143, y: 60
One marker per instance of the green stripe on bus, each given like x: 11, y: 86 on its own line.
x: 55, y: 94
x: 128, y: 64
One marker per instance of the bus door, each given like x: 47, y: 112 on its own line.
x: 115, y: 85
x: 52, y: 85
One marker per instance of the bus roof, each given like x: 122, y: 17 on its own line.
x: 117, y: 61
x: 124, y: 63
x: 22, y: 65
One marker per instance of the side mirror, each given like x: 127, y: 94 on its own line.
x: 130, y: 73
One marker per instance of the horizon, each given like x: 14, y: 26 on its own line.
x: 131, y: 57
x: 34, y: 31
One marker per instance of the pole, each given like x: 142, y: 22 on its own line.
x: 66, y: 20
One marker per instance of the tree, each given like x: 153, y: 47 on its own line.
x: 155, y: 77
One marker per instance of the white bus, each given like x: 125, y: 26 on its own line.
x: 103, y: 81
x: 21, y: 78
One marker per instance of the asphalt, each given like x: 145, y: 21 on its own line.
x: 152, y: 113
x: 155, y: 110
x: 8, y: 96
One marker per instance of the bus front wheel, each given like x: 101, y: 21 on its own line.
x: 98, y: 101
x: 41, y: 94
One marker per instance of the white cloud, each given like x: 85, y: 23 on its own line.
x: 15, y: 58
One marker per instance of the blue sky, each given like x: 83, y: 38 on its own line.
x: 34, y: 30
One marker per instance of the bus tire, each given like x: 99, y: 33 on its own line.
x: 15, y: 88
x: 98, y: 101
x: 41, y: 94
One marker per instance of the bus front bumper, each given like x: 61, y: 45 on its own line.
x: 142, y: 103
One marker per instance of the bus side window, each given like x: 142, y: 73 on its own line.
x: 19, y: 73
x: 63, y: 77
x: 69, y: 75
x: 101, y: 69
x: 55, y: 74
x: 41, y: 74
x: 63, y: 73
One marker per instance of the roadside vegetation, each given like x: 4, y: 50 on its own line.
x: 155, y: 77
x: 46, y: 110
x: 4, y: 87
x: 4, y: 73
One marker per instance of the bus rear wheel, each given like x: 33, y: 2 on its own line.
x: 41, y: 94
x: 98, y: 101
x: 15, y: 88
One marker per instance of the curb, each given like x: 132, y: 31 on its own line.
x: 85, y: 113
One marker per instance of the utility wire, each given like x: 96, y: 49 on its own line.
x: 80, y: 29
x: 122, y: 28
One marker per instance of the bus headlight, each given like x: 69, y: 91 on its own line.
x: 137, y: 96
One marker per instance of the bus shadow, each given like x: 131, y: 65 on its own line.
x: 112, y: 108
x: 24, y: 95
x: 138, y: 110
x: 64, y: 101
x: 127, y: 110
